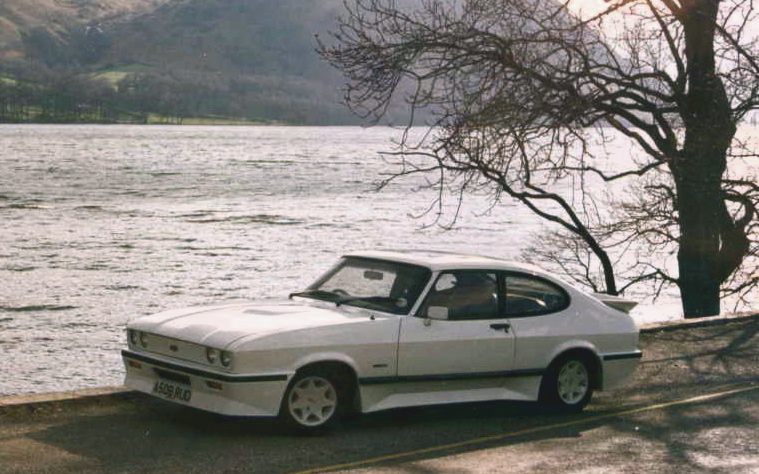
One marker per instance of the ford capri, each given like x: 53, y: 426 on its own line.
x: 389, y: 329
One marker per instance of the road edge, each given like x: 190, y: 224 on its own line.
x: 698, y: 323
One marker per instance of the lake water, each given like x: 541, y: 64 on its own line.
x: 102, y: 224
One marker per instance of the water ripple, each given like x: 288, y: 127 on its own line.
x: 39, y: 307
x: 253, y: 219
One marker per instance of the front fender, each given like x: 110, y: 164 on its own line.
x: 327, y: 356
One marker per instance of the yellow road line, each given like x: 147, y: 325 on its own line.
x: 515, y: 434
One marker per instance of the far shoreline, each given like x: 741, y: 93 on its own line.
x: 150, y: 122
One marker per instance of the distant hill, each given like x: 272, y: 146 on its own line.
x: 242, y: 36
x: 55, y: 19
x: 260, y: 52
x: 75, y: 60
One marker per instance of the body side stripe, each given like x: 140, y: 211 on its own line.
x: 460, y: 376
x: 204, y: 373
x: 622, y: 356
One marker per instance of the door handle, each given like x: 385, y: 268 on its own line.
x: 501, y: 327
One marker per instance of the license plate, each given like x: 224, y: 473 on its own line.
x: 172, y: 391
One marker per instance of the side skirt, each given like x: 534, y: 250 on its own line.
x: 407, y: 391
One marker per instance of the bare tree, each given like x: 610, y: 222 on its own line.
x: 642, y: 239
x: 521, y: 90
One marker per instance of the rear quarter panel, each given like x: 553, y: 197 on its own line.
x: 586, y: 323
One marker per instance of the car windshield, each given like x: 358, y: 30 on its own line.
x: 391, y: 287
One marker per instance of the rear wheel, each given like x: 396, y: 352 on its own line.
x: 568, y: 384
x: 313, y: 402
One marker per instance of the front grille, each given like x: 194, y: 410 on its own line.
x: 176, y: 349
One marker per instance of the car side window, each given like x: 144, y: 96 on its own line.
x: 527, y: 295
x: 463, y: 295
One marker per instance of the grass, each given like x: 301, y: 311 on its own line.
x: 221, y: 121
x: 115, y: 74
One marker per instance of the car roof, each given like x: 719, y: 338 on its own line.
x: 440, y: 260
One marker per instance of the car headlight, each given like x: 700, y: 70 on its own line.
x: 226, y: 358
x: 212, y: 355
x: 137, y: 338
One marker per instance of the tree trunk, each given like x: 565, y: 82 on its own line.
x: 699, y: 205
x: 709, y: 130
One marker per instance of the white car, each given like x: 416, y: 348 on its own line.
x: 383, y: 330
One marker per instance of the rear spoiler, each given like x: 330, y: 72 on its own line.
x: 616, y: 302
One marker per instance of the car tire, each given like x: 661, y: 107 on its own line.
x: 568, y: 384
x: 313, y: 402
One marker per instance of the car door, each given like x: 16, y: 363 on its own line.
x: 459, y: 330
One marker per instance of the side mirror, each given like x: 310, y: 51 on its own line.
x: 437, y: 312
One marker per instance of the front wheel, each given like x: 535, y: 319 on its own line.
x: 312, y: 402
x: 568, y: 384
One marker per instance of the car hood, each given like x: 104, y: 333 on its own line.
x: 220, y: 326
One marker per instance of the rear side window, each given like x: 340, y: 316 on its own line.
x: 527, y: 295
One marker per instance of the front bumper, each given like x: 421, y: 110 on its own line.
x: 227, y: 394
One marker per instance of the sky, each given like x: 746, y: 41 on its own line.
x: 587, y: 7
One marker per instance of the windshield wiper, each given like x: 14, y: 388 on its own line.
x: 317, y: 294
x: 350, y: 299
x: 341, y: 299
x: 376, y: 300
